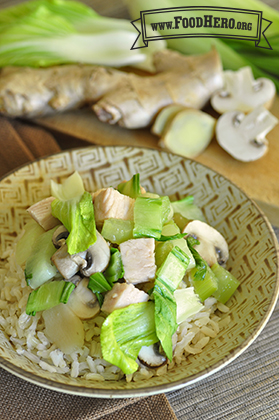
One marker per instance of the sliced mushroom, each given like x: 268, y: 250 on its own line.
x: 213, y: 247
x: 97, y: 257
x: 241, y: 92
x: 150, y: 356
x: 59, y: 236
x: 243, y: 136
x: 83, y: 302
x: 68, y: 265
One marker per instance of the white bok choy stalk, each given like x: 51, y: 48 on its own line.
x: 43, y: 33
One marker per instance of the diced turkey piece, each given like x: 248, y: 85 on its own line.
x: 41, y: 213
x: 122, y: 295
x: 138, y: 260
x: 110, y: 203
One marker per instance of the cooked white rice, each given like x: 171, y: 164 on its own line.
x: 27, y: 334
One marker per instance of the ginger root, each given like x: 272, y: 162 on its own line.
x: 137, y: 100
x: 128, y: 99
x: 31, y: 92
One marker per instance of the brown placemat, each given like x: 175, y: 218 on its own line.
x: 21, y: 143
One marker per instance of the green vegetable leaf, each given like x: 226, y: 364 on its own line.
x: 165, y: 315
x: 131, y: 187
x: 50, y: 32
x: 98, y: 283
x: 115, y: 269
x: 201, y: 265
x: 125, y: 331
x: 187, y: 209
x: 168, y: 277
x: 148, y: 217
x: 49, y: 295
x: 71, y: 188
x: 77, y: 215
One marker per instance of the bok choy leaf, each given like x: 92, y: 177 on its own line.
x: 77, y: 215
x: 125, y: 331
x: 43, y: 33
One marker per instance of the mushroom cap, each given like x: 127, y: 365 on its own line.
x: 150, y: 356
x: 83, y: 301
x: 59, y: 236
x: 241, y: 92
x: 97, y: 257
x: 213, y: 247
x: 243, y: 136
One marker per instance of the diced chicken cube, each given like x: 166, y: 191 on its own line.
x: 110, y: 203
x: 122, y: 295
x: 138, y: 260
x: 41, y: 213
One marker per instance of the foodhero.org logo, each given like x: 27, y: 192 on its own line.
x: 202, y: 22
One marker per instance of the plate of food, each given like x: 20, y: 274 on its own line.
x: 129, y: 272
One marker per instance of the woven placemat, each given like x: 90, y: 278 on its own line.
x: 19, y: 400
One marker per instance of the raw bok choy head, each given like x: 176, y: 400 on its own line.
x: 43, y: 33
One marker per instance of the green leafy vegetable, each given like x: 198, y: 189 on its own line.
x: 50, y: 32
x: 71, y: 188
x: 77, y: 215
x: 201, y: 265
x: 165, y: 315
x: 188, y: 303
x: 148, y: 217
x: 99, y: 284
x: 131, y: 187
x: 115, y: 269
x: 117, y: 230
x: 39, y: 268
x: 207, y: 286
x: 227, y: 283
x: 125, y: 331
x: 49, y: 295
x: 168, y: 277
x: 32, y: 231
x: 187, y: 209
